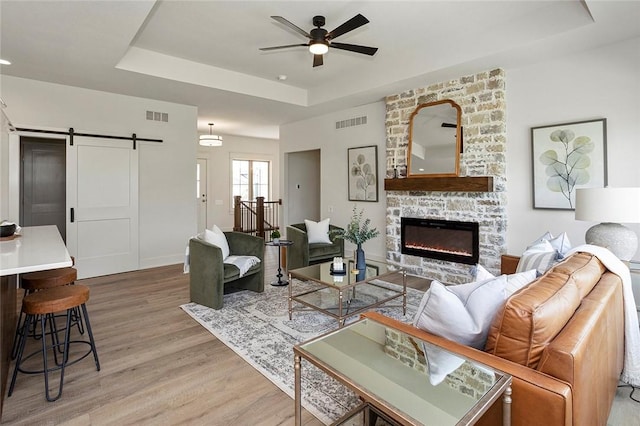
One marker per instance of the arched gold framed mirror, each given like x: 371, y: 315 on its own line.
x: 435, y: 138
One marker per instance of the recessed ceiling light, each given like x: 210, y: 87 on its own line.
x: 282, y: 77
x: 4, y: 62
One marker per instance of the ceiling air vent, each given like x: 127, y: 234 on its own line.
x: 350, y: 122
x: 158, y: 116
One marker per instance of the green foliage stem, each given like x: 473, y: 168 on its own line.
x: 357, y: 231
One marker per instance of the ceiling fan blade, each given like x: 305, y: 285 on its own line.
x: 355, y: 48
x: 291, y: 25
x: 353, y: 23
x: 282, y: 47
x: 317, y: 60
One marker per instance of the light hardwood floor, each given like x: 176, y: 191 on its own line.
x: 160, y: 367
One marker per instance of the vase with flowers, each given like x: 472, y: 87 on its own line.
x: 358, y: 231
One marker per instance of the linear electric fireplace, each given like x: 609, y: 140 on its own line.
x: 440, y: 239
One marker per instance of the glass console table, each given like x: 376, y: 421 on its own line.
x: 387, y: 368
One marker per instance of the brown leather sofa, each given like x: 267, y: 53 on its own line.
x: 561, y: 338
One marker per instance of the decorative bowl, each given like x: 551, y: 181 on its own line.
x: 7, y: 229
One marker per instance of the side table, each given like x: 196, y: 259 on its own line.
x: 379, y: 362
x: 280, y: 244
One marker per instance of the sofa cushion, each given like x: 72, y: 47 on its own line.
x: 323, y: 251
x: 232, y: 273
x: 586, y: 270
x: 531, y: 318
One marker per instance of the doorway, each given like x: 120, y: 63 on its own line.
x: 201, y: 193
x: 303, y: 186
x: 43, y: 183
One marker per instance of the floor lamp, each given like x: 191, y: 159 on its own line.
x: 611, y: 206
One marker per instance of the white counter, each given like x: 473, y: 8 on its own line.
x: 37, y: 249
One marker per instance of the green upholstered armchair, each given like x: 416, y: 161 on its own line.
x: 301, y: 253
x: 209, y: 276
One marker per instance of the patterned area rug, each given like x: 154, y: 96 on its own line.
x: 257, y: 327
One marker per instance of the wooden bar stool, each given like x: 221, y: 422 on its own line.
x: 44, y: 304
x: 35, y: 281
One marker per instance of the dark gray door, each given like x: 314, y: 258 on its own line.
x: 43, y: 183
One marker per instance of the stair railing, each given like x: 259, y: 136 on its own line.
x: 256, y: 217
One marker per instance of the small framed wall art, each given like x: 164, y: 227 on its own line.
x: 566, y: 157
x: 363, y: 173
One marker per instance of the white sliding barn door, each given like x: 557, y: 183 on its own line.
x: 103, y: 193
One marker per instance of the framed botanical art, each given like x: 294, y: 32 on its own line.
x: 566, y: 157
x: 363, y: 173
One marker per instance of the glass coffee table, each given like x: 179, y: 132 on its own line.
x: 345, y: 295
x: 387, y: 367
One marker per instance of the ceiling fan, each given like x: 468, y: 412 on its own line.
x: 320, y: 40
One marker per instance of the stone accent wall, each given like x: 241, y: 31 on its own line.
x: 467, y: 379
x: 482, y: 99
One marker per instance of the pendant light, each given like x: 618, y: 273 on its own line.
x: 210, y: 139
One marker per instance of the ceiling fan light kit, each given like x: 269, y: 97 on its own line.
x: 210, y: 139
x: 320, y: 40
x: 319, y: 47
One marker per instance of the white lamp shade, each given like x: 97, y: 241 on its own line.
x: 618, y: 205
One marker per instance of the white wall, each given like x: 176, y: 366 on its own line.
x: 167, y: 170
x: 600, y: 83
x: 220, y: 204
x: 320, y: 133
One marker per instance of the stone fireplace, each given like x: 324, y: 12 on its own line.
x: 482, y: 99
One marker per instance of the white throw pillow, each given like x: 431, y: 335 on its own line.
x: 463, y: 313
x: 547, y: 236
x: 561, y: 244
x: 445, y: 314
x: 217, y: 238
x: 463, y: 291
x: 517, y: 281
x: 480, y: 273
x: 541, y: 257
x: 317, y: 232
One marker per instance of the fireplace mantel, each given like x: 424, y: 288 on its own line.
x: 444, y: 184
